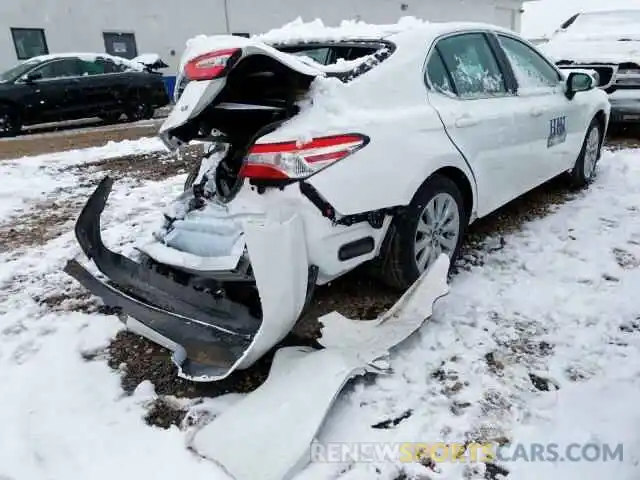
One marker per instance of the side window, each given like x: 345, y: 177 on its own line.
x: 530, y: 68
x: 65, y: 67
x: 91, y: 68
x: 437, y: 74
x: 474, y: 69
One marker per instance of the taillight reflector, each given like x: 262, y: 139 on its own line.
x: 212, y: 64
x: 289, y: 160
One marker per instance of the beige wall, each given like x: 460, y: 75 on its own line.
x: 162, y: 26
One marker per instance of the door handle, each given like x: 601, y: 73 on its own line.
x: 466, y: 121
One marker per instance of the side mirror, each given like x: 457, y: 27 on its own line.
x: 32, y: 77
x: 579, y: 82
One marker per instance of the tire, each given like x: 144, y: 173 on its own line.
x: 138, y: 109
x: 110, y: 117
x: 10, y: 123
x: 399, y: 264
x: 584, y: 170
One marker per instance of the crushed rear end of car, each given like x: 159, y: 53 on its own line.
x: 230, y: 272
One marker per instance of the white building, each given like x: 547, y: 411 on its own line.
x: 131, y: 27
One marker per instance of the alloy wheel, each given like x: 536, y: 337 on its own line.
x: 591, y: 153
x: 438, y: 230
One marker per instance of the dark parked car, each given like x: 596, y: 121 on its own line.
x: 55, y: 88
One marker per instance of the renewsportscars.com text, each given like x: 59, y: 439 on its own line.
x: 472, y: 452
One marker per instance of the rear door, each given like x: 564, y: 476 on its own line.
x: 101, y: 85
x: 474, y: 96
x: 558, y: 122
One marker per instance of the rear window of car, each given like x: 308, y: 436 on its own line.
x: 331, y: 54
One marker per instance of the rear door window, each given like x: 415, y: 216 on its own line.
x: 472, y: 65
x: 437, y: 75
x: 92, y: 68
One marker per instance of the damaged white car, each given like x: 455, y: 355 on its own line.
x: 343, y: 146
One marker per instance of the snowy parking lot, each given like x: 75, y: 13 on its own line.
x: 537, y: 342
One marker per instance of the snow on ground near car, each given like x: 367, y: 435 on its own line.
x: 30, y: 178
x: 543, y: 17
x: 538, y: 345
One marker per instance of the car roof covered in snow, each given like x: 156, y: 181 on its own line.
x: 298, y: 31
x: 408, y: 32
x: 90, y: 57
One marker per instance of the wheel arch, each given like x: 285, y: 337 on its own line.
x: 602, y: 120
x: 463, y: 183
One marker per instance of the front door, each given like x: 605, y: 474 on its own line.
x: 557, y: 122
x: 56, y: 94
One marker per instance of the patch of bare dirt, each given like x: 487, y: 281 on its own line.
x: 150, y: 166
x: 45, y: 222
x: 38, y: 144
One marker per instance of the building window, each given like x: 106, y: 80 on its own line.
x: 29, y: 42
x: 120, y: 44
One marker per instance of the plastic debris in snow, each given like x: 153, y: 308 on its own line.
x: 278, y: 422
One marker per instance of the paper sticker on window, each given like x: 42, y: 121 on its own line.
x: 557, y: 131
x: 119, y: 47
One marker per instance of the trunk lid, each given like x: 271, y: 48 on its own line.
x: 270, y: 80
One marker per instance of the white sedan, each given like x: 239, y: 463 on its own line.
x: 359, y: 144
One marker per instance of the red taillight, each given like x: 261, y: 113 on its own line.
x: 288, y: 160
x: 211, y: 65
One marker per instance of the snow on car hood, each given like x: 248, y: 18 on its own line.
x: 592, y: 50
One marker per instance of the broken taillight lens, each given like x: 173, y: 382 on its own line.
x: 212, y: 64
x: 290, y: 160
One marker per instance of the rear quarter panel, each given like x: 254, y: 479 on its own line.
x: 404, y: 150
x: 407, y: 139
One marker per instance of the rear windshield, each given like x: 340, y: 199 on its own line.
x: 331, y: 54
x: 344, y: 60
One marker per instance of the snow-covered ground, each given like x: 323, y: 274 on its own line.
x: 557, y: 306
x: 25, y: 180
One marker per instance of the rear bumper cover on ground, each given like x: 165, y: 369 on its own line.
x: 210, y: 337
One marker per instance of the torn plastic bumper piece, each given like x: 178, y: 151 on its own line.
x: 210, y: 337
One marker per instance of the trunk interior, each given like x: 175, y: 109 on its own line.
x: 260, y: 93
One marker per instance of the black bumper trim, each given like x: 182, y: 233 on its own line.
x: 208, y: 351
x: 150, y: 286
x: 213, y: 332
